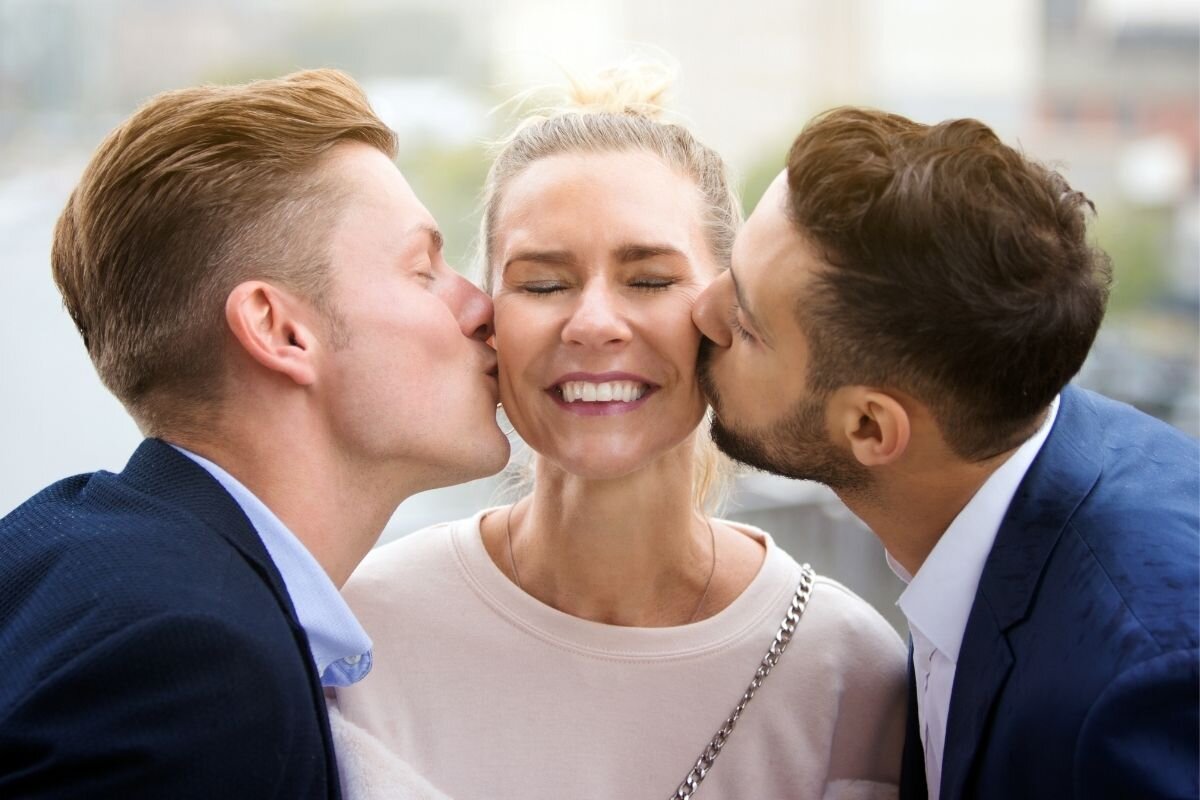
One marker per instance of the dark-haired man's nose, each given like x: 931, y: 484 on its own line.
x: 711, y: 312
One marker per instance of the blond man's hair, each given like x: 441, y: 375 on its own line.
x: 200, y: 190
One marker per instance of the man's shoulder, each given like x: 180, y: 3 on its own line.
x: 1112, y: 502
x: 1146, y: 474
x: 1131, y: 439
x: 97, y: 524
x: 89, y: 555
x: 1132, y: 543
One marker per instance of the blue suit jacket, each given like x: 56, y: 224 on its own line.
x: 1078, y: 674
x: 149, y: 647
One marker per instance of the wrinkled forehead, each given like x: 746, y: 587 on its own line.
x: 593, y: 202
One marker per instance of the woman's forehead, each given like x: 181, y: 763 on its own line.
x: 610, y: 199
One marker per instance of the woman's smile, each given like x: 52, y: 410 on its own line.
x: 601, y: 394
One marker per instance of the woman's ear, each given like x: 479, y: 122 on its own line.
x: 269, y: 325
x: 875, y: 425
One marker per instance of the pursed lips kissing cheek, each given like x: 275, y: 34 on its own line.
x: 600, y: 394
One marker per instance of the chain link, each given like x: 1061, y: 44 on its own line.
x: 788, y: 627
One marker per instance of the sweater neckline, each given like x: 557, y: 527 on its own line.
x: 766, y: 596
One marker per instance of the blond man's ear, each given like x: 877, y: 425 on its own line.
x: 272, y: 327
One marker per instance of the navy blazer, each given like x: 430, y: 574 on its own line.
x: 149, y: 647
x: 1078, y: 674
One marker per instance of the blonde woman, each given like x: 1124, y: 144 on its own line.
x: 590, y: 639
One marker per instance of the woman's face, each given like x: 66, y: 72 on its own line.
x: 599, y: 259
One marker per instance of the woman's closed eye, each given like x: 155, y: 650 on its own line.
x: 647, y: 284
x: 652, y: 284
x: 543, y: 287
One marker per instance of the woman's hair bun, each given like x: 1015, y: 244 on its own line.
x: 636, y: 86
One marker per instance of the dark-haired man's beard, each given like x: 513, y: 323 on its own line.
x: 795, y: 446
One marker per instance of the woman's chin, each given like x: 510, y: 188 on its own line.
x: 602, y: 461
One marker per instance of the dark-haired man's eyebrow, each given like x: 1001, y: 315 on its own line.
x: 759, y: 328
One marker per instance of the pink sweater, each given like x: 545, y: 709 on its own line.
x: 488, y: 693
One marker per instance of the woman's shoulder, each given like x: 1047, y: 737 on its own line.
x: 853, y: 631
x: 425, y: 553
x: 834, y: 609
x: 847, y: 626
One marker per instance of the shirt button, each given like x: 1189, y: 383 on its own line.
x: 352, y: 660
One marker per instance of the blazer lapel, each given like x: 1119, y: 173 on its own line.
x: 983, y: 665
x: 913, y: 784
x: 1056, y: 483
x: 160, y: 470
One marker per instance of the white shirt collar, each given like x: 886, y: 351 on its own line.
x: 340, y: 647
x: 939, y: 597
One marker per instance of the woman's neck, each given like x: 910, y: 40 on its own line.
x: 624, y: 551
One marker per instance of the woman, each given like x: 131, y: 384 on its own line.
x: 589, y: 639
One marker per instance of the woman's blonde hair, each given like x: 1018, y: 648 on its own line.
x: 622, y: 109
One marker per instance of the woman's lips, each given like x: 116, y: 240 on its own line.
x: 602, y: 392
x: 599, y: 394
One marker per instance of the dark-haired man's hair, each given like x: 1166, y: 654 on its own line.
x: 954, y: 268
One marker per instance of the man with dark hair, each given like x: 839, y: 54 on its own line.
x: 906, y: 307
x: 256, y: 282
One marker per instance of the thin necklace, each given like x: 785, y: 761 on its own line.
x: 512, y: 561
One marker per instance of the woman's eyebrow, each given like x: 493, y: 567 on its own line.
x: 553, y: 257
x: 629, y: 253
x: 625, y: 254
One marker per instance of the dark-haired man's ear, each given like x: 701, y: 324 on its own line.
x: 267, y: 322
x: 875, y: 425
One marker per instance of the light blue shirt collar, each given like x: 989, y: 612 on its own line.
x: 340, y: 647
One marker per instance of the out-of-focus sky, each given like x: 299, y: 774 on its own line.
x: 1105, y: 88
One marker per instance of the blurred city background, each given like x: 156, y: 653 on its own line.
x: 1107, y: 90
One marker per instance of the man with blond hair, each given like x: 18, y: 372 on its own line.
x: 258, y: 285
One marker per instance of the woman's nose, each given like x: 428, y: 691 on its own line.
x: 598, y: 319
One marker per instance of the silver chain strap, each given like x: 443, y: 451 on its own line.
x: 788, y: 627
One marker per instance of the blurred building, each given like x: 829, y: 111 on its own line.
x: 1118, y: 105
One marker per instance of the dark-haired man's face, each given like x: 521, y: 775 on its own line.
x: 755, y: 358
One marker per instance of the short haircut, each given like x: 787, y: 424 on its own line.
x: 954, y: 268
x: 200, y: 190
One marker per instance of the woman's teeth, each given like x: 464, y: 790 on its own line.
x: 613, y: 391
